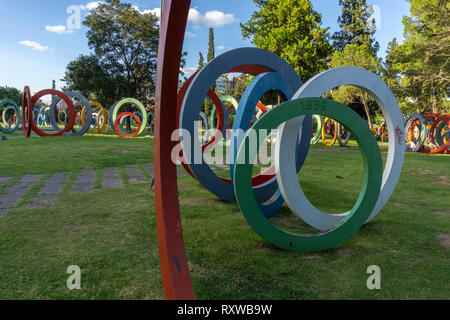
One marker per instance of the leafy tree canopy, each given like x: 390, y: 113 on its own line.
x: 357, y: 26
x: 363, y: 57
x: 125, y: 44
x: 422, y: 62
x: 292, y: 30
x: 11, y: 93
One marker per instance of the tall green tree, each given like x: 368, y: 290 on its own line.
x: 424, y: 58
x: 211, y: 45
x: 357, y: 26
x: 356, y: 56
x: 201, y: 61
x: 125, y: 42
x: 293, y: 30
x: 392, y: 76
x: 208, y: 104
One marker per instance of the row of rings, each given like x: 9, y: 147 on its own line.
x: 32, y: 118
x: 428, y: 133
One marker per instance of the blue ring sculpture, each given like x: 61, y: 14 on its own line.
x: 89, y: 114
x: 244, y: 115
x: 193, y: 101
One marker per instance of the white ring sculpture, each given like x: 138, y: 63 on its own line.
x: 288, y: 138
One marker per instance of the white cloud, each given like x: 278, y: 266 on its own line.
x: 93, y: 5
x: 59, y: 29
x: 220, y: 47
x: 188, y: 70
x: 195, y: 16
x: 36, y: 46
x: 190, y: 35
x: 212, y: 18
x: 156, y: 11
x: 217, y: 18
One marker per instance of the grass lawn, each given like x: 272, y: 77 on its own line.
x: 111, y: 233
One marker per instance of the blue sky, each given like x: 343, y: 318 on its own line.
x: 37, y: 43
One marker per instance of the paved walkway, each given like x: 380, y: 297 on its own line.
x: 53, y: 186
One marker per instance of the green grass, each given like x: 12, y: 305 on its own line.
x: 47, y: 155
x: 111, y: 233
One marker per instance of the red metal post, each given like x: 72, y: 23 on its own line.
x: 174, y: 266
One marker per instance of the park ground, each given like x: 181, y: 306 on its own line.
x: 110, y: 233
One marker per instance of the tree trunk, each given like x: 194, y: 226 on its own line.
x: 366, y: 109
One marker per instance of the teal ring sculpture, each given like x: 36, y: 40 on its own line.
x: 13, y: 104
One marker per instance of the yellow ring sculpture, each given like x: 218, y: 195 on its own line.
x: 324, y: 137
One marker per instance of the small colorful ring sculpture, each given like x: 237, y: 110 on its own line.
x: 118, y: 129
x: 343, y: 135
x: 85, y: 117
x: 10, y: 104
x: 318, y: 133
x: 329, y: 125
x: 411, y: 146
x: 116, y: 107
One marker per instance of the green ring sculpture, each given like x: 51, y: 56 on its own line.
x: 115, y: 111
x: 318, y: 134
x: 366, y: 202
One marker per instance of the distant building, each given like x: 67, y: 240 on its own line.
x: 222, y: 85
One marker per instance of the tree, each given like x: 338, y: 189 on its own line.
x: 356, y: 25
x: 11, y: 93
x: 89, y: 76
x: 357, y: 56
x: 292, y: 30
x: 392, y: 76
x: 208, y: 104
x: 126, y: 42
x: 201, y: 61
x: 423, y: 59
x: 241, y: 83
x: 211, y: 45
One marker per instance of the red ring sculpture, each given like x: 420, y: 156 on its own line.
x: 72, y: 113
x: 26, y: 112
x: 443, y: 148
x: 127, y: 114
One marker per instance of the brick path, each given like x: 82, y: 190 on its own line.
x: 53, y: 186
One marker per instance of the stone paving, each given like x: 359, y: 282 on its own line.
x: 13, y: 193
x: 111, y: 178
x: 135, y: 175
x: 84, y: 183
x: 49, y: 191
